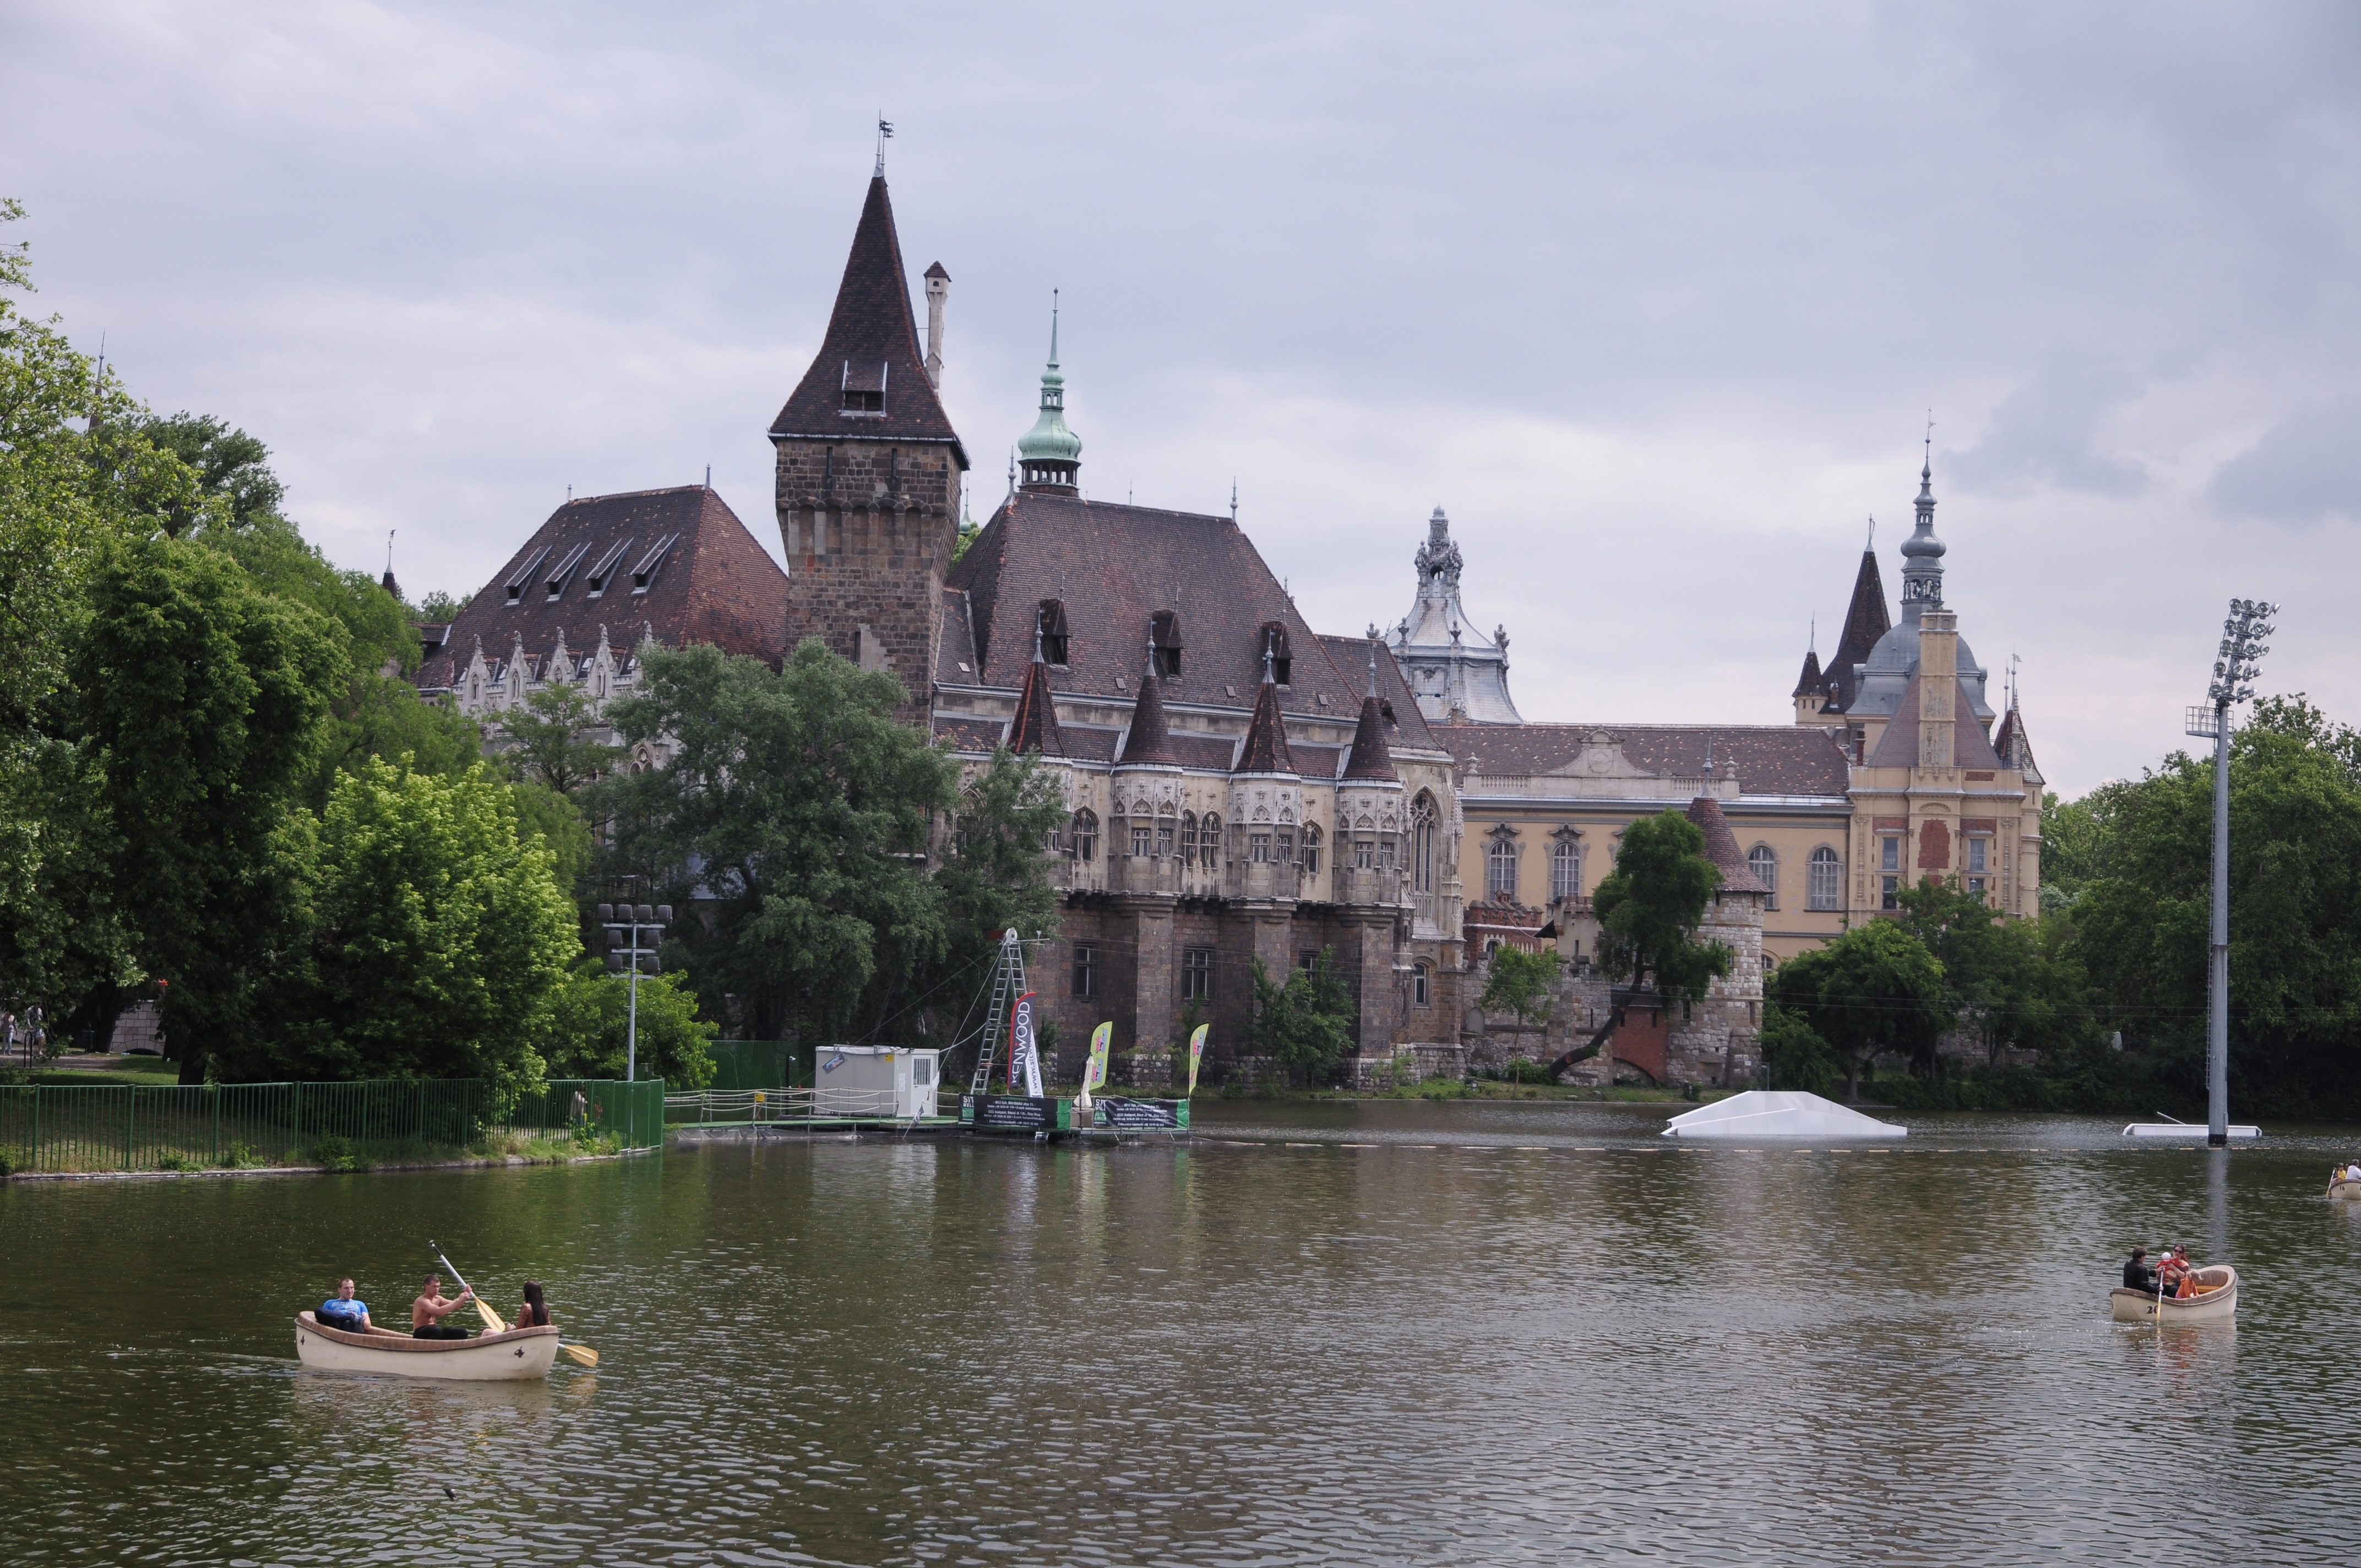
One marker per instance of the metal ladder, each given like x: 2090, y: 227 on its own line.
x: 1007, y: 986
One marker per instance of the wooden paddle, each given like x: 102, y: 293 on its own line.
x: 581, y: 1354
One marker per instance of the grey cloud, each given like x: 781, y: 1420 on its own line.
x: 2305, y: 469
x: 2046, y: 433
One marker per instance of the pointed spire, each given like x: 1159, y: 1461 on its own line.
x: 1370, y: 757
x: 870, y: 351
x: 1035, y: 726
x: 1149, y: 740
x: 1721, y: 846
x: 1811, y: 680
x: 1922, y: 553
x: 1050, y: 452
x: 1266, y: 749
x: 1866, y: 621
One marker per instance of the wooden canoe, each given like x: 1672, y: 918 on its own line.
x: 2217, y: 1303
x: 518, y: 1355
x: 2340, y: 1187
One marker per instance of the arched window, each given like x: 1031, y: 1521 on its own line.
x: 1828, y: 879
x: 1188, y: 838
x: 1764, y: 863
x: 1500, y: 863
x: 1566, y: 867
x: 1311, y: 847
x: 1421, y: 989
x: 1421, y: 843
x: 1082, y: 844
x: 1208, y: 841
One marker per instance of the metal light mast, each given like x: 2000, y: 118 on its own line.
x: 2233, y: 673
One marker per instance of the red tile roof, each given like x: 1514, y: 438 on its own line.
x: 1266, y: 748
x: 1721, y: 846
x: 1781, y: 759
x: 1035, y: 728
x: 706, y: 580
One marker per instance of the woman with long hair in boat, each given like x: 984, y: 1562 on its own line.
x: 534, y: 1313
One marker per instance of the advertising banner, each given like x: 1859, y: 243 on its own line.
x: 1196, y: 1053
x: 1015, y: 1113
x: 1142, y: 1115
x: 1095, y: 1075
x: 1023, y: 1060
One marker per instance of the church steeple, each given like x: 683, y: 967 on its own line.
x: 1050, y: 455
x: 1922, y: 553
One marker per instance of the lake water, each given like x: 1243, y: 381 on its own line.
x: 1387, y: 1332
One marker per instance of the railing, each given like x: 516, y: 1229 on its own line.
x: 99, y: 1127
x: 755, y: 1107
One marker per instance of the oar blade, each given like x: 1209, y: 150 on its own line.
x: 582, y: 1354
x: 492, y: 1324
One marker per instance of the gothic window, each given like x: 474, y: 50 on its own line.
x: 1142, y: 835
x: 1196, y: 974
x: 1764, y: 863
x: 1086, y: 969
x: 1311, y: 847
x: 1273, y: 646
x: 1208, y: 841
x: 1422, y: 977
x: 1164, y: 837
x: 1566, y: 867
x: 1164, y: 640
x: 1054, y: 642
x: 1500, y: 865
x: 1422, y: 842
x: 1083, y: 843
x: 1286, y: 849
x: 1364, y: 854
x: 1828, y: 879
x: 1259, y: 848
x: 1188, y: 838
x: 1385, y: 852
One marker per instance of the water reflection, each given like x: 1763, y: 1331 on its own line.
x: 1375, y: 1335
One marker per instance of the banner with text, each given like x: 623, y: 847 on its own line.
x: 1023, y: 1058
x: 1196, y: 1053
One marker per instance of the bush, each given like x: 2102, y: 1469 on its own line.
x: 1520, y: 1069
x: 178, y: 1162
x: 330, y: 1152
x: 239, y: 1155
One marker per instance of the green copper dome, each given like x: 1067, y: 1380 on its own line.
x: 1049, y: 452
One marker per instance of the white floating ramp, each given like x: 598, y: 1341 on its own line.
x: 2187, y: 1132
x: 1774, y: 1113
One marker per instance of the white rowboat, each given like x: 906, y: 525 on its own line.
x: 2189, y: 1130
x: 518, y: 1355
x: 2219, y: 1303
x: 2342, y: 1187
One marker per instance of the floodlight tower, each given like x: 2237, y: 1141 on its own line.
x: 2233, y: 673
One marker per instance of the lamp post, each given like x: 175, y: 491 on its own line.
x: 625, y: 924
x: 2233, y: 673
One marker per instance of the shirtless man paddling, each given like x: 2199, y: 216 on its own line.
x: 427, y: 1312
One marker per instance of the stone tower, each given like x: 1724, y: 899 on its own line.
x: 869, y: 474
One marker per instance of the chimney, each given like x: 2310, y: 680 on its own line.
x: 1939, y: 685
x: 939, y: 290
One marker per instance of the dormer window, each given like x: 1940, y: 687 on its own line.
x: 522, y: 578
x: 862, y: 387
x: 604, y: 572
x: 1055, y: 641
x: 643, y: 575
x: 1274, y: 649
x: 563, y: 573
x: 1164, y: 640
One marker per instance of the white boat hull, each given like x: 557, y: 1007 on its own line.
x: 518, y: 1355
x: 2343, y: 1187
x: 2188, y: 1132
x: 2218, y: 1305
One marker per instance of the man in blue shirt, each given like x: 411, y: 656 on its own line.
x: 345, y: 1311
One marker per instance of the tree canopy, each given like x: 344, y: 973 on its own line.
x: 1874, y: 990
x: 1650, y: 905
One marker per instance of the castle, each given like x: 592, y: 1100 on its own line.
x: 1239, y: 786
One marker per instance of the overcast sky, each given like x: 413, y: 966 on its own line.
x: 1653, y: 299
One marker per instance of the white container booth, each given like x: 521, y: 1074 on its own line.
x: 893, y: 1082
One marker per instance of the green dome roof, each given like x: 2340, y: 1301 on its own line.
x: 1049, y: 441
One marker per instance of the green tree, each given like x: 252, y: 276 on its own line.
x: 590, y: 1034
x: 1305, y: 1024
x: 550, y: 740
x: 2141, y: 925
x: 438, y: 945
x: 1874, y: 990
x: 2000, y: 978
x: 1650, y: 905
x: 804, y: 808
x: 994, y: 875
x: 441, y: 608
x: 205, y: 703
x: 230, y: 465
x: 1794, y: 1054
x: 1521, y: 981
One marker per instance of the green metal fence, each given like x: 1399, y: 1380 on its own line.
x: 134, y: 1128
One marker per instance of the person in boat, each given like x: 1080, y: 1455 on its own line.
x: 345, y: 1311
x: 2174, y: 1271
x: 427, y: 1312
x: 2353, y: 1170
x: 2139, y: 1274
x: 534, y: 1313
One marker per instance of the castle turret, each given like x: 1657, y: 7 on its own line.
x: 1049, y: 456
